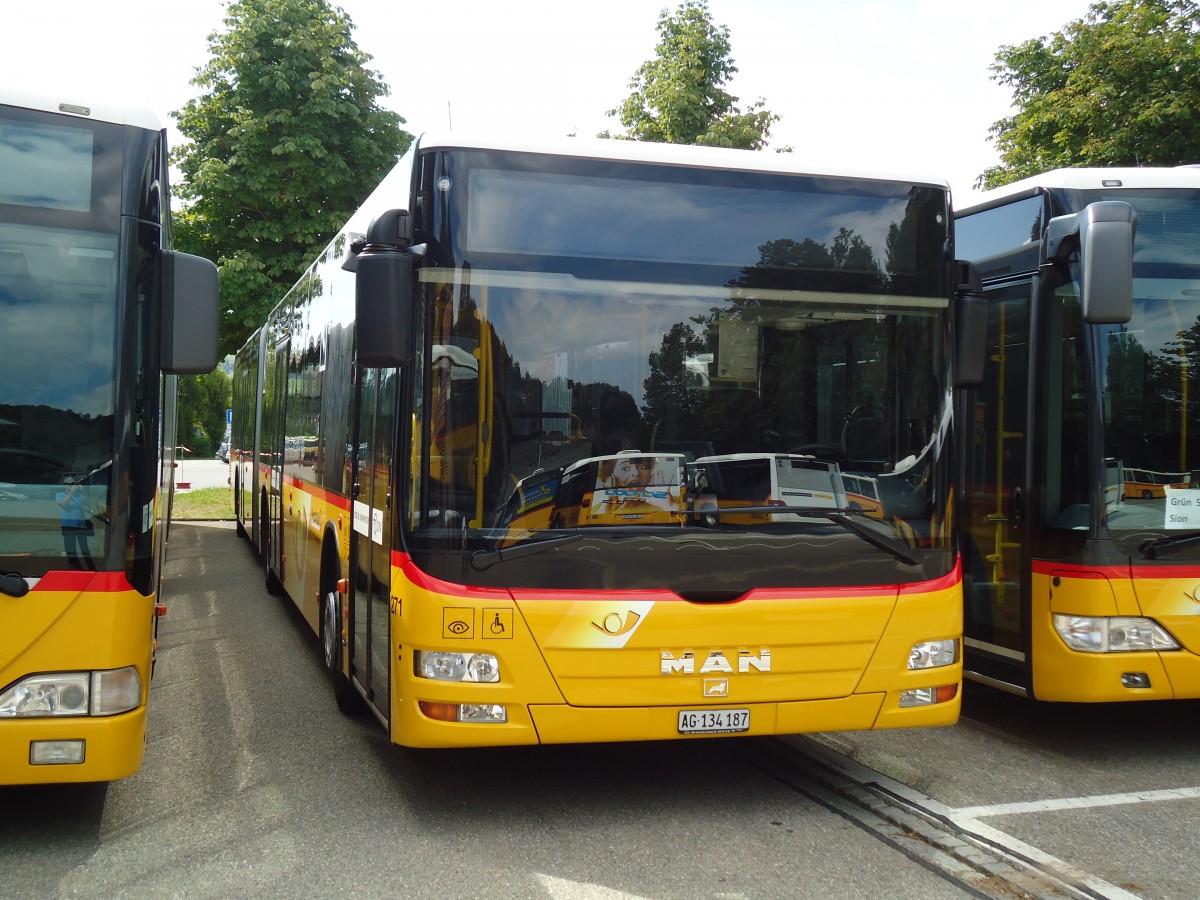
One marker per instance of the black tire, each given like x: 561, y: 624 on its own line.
x: 237, y: 508
x: 348, y: 699
x: 270, y: 579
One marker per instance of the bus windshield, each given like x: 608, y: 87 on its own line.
x: 58, y: 311
x: 748, y: 393
x: 1149, y: 366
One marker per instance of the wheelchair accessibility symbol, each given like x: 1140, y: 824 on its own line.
x: 497, y: 624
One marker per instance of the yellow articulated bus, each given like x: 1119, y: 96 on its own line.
x: 1081, y: 478
x: 533, y: 372
x: 98, y: 320
x: 1144, y: 484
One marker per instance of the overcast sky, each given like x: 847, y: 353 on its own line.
x: 885, y: 85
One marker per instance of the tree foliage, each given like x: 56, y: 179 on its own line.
x: 1117, y: 87
x: 285, y: 142
x: 203, y: 400
x: 679, y: 98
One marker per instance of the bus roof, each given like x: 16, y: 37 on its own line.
x: 669, y: 154
x: 79, y: 108
x: 1088, y: 179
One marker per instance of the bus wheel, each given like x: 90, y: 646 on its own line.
x: 237, y: 507
x: 270, y: 579
x: 347, y: 698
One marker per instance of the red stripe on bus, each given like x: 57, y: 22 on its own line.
x: 1073, y: 570
x: 1174, y: 571
x: 950, y: 580
x: 1123, y: 570
x: 77, y: 582
x: 318, y: 493
x: 436, y: 585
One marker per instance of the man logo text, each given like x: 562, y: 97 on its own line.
x: 716, y: 661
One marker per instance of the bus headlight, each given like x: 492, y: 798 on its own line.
x: 103, y: 693
x: 933, y: 654
x: 452, y: 665
x: 55, y: 694
x: 1112, y: 634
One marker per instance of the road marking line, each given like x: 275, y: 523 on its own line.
x: 1035, y: 806
x: 999, y: 842
x: 1098, y: 886
x: 565, y: 889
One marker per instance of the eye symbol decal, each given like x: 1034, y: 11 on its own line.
x: 458, y: 627
x: 614, y: 625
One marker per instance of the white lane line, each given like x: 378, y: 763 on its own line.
x: 1036, y: 806
x: 565, y: 889
x: 998, y: 840
x: 1048, y: 863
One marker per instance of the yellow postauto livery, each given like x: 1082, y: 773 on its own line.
x: 1080, y: 514
x: 537, y: 666
x: 608, y: 441
x: 105, y: 315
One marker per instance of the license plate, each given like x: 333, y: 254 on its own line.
x: 713, y: 721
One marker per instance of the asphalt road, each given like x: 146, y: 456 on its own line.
x: 254, y: 785
x: 201, y: 473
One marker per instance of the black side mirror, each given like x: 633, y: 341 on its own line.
x: 190, y: 316
x: 1103, y: 234
x: 383, y: 300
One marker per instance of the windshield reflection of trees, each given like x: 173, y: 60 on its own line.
x: 855, y: 386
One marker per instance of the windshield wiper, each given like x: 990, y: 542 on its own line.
x: 13, y: 585
x: 1151, y: 548
x: 840, y: 517
x: 882, y: 541
x: 485, y: 559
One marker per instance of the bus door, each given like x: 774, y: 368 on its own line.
x: 376, y: 398
x: 270, y: 463
x: 994, y: 559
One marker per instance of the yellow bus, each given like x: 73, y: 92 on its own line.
x: 98, y: 319
x: 514, y: 357
x: 1146, y: 484
x: 1080, y: 531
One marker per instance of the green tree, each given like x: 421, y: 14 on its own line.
x: 679, y: 98
x: 285, y: 142
x: 203, y: 400
x: 1117, y: 87
x: 671, y: 400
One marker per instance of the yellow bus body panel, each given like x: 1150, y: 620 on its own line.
x: 578, y: 670
x: 1062, y: 674
x: 74, y: 631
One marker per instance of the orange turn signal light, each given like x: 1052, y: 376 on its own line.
x: 946, y: 692
x: 443, y: 712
